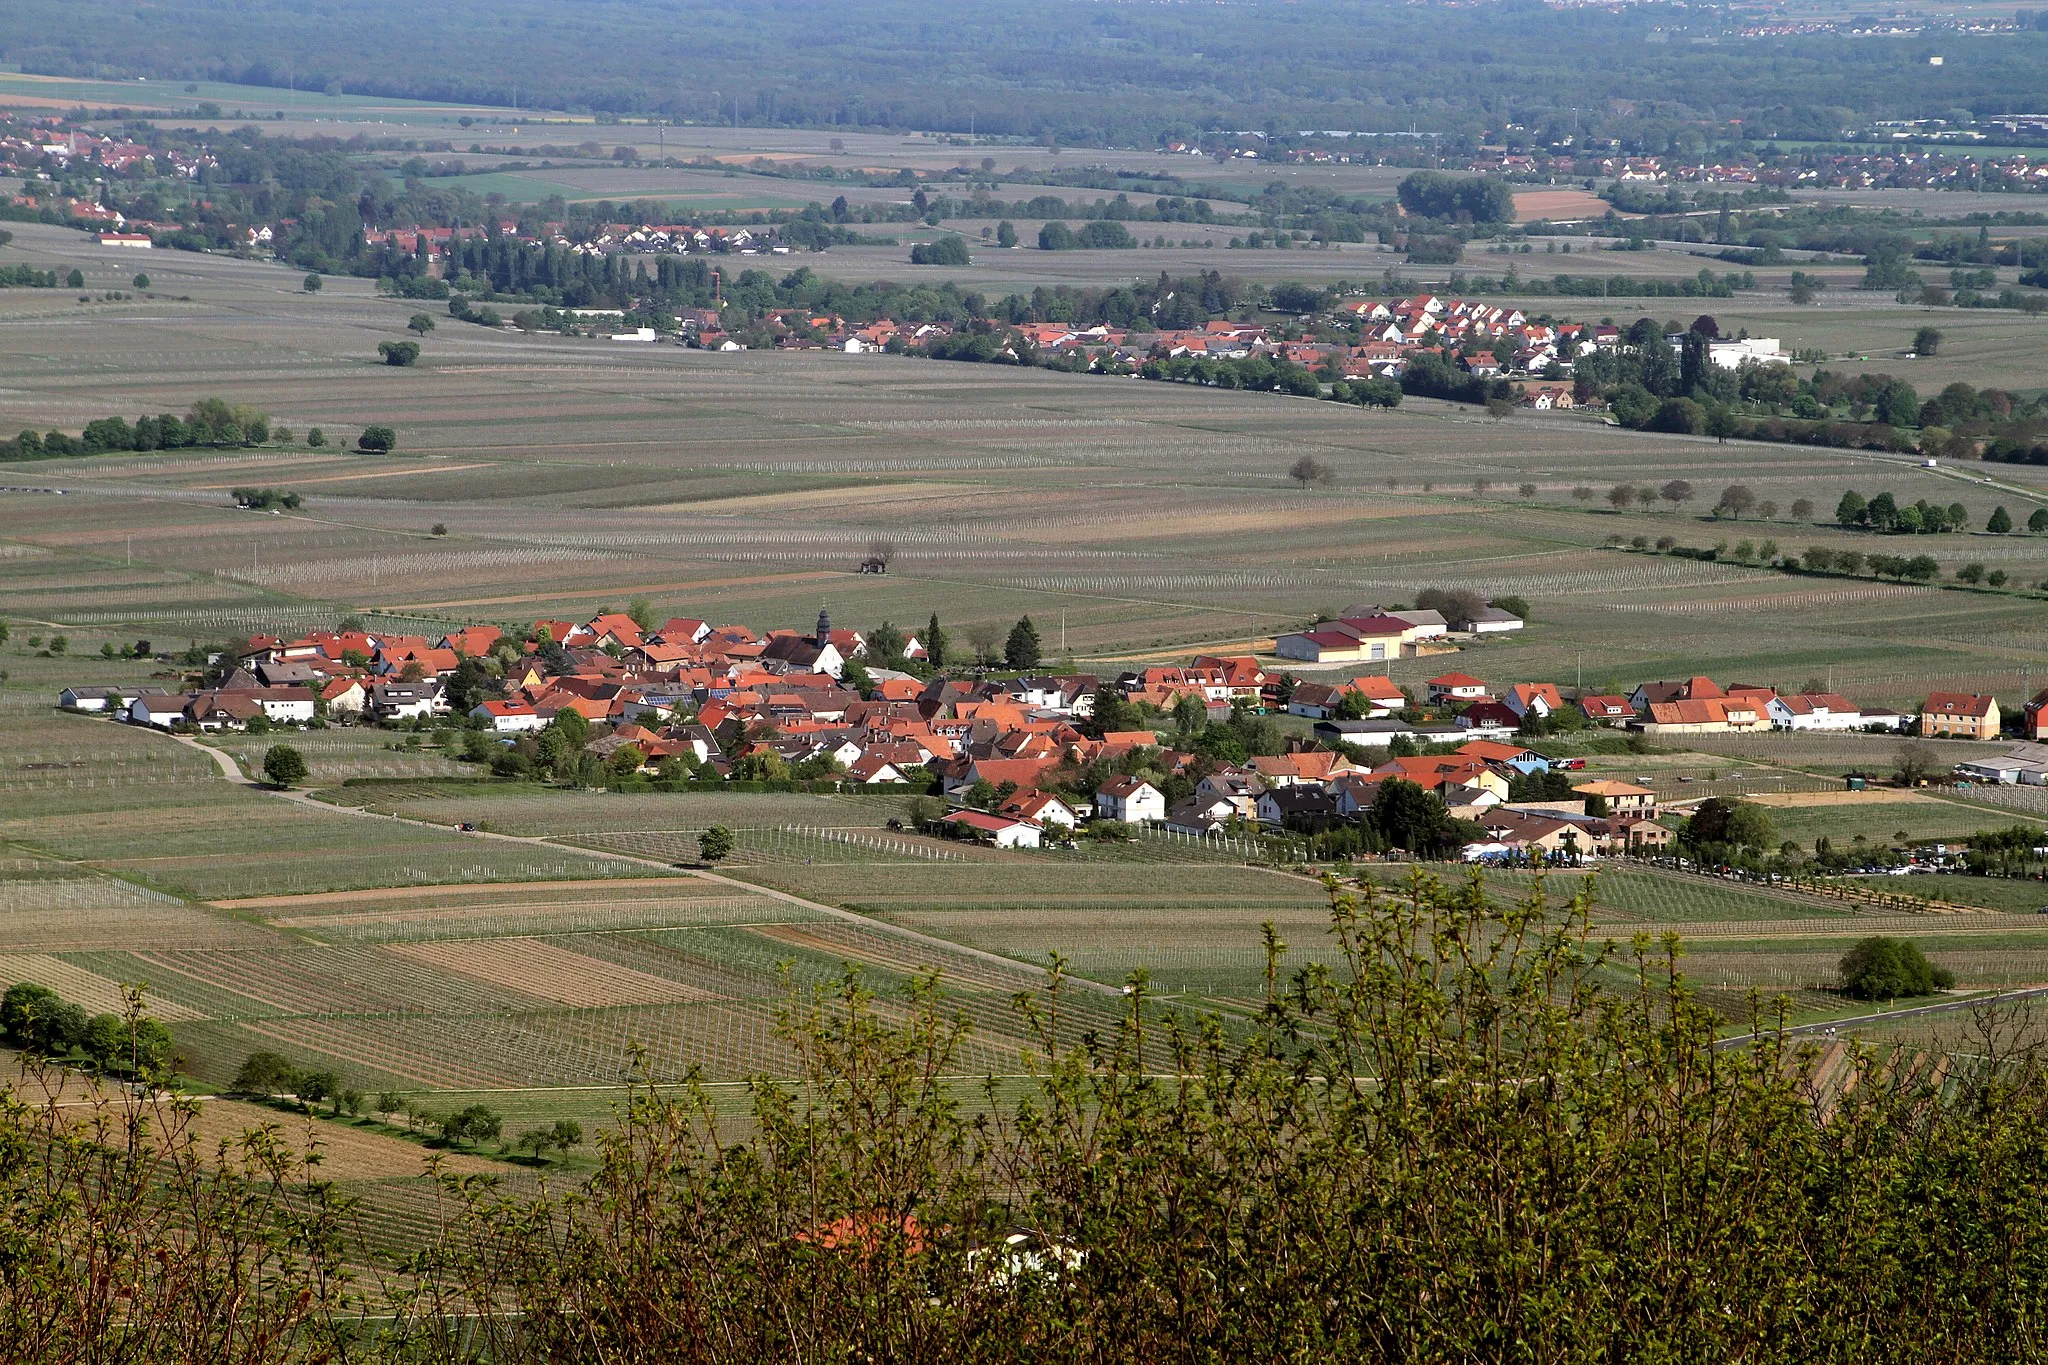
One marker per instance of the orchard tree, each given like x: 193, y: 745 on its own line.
x: 284, y: 765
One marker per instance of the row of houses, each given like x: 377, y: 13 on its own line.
x: 1363, y: 634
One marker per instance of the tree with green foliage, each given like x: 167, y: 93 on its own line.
x: 399, y: 352
x: 2000, y: 523
x: 1006, y: 234
x: 470, y: 1126
x: 76, y: 279
x: 311, y: 284
x: 1927, y: 341
x: 377, y: 440
x: 714, y: 845
x: 936, y: 646
x: 949, y: 249
x: 284, y: 766
x: 266, y: 1073
x: 1852, y: 510
x: 315, y: 438
x: 1880, y: 968
x: 36, y: 1019
x: 1021, y: 651
x: 421, y: 323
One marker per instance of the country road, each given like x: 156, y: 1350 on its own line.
x: 1026, y: 973
x: 1829, y: 1026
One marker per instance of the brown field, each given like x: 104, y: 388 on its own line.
x: 1556, y: 204
x: 537, y: 967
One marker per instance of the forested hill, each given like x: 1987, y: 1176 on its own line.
x: 1085, y: 71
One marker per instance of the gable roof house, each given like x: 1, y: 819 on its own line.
x: 1959, y: 715
x: 1132, y: 800
x: 1456, y: 687
x: 1607, y: 710
x: 1000, y: 830
x: 1308, y: 809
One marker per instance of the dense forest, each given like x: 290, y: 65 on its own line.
x: 1081, y: 71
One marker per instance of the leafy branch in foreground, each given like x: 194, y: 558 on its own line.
x: 1467, y: 1131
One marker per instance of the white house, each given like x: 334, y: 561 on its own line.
x: 999, y: 830
x: 1040, y: 808
x: 508, y: 717
x: 285, y: 705
x: 1814, y: 711
x: 159, y: 709
x: 1491, y: 621
x: 102, y: 698
x: 1131, y: 800
x: 1201, y: 815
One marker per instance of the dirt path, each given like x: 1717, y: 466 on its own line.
x: 232, y: 771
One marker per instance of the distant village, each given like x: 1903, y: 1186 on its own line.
x: 1024, y: 758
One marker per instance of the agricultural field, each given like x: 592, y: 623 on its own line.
x: 1129, y: 519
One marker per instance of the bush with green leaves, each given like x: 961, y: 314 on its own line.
x: 1880, y: 968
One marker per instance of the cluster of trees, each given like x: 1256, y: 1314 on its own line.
x: 398, y: 352
x: 37, y: 1020
x: 1366, y: 393
x: 1884, y: 515
x: 1917, y: 569
x: 1260, y: 373
x: 209, y: 422
x: 264, y: 499
x: 1880, y: 968
x: 28, y: 277
x: 950, y: 249
x: 1099, y: 235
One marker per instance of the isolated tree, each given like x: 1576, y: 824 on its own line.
x: 1500, y: 409
x: 1736, y: 499
x: 1582, y: 494
x: 883, y: 550
x: 440, y: 528
x: 2000, y: 523
x: 1022, y: 649
x: 316, y: 438
x: 1767, y: 509
x: 311, y: 284
x: 142, y: 281
x: 266, y: 1073
x: 421, y: 323
x: 1308, y: 469
x: 935, y: 643
x: 2036, y: 523
x: 1802, y: 509
x: 1970, y: 573
x: 76, y: 279
x: 714, y: 845
x: 1915, y: 764
x: 399, y: 352
x: 1006, y: 233
x: 981, y: 638
x: 377, y: 440
x: 1527, y: 490
x: 284, y: 765
x: 1880, y: 968
x: 1927, y: 341
x: 1678, y: 492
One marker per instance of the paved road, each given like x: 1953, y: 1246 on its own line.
x: 1889, y: 1016
x: 1026, y: 974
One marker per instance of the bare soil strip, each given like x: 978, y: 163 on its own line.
x: 537, y: 967
x: 390, y: 893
